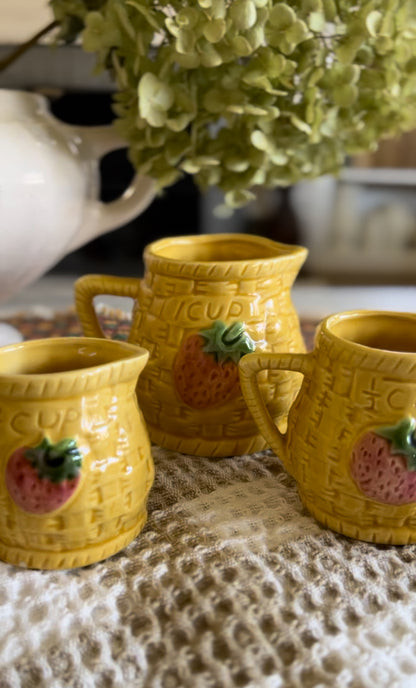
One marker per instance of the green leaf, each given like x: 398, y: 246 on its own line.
x: 180, y: 122
x: 315, y: 76
x: 255, y: 37
x: 402, y: 438
x: 239, y: 198
x: 187, y: 61
x: 243, y: 14
x: 236, y: 163
x: 348, y: 48
x: 241, y: 46
x: 317, y: 21
x: 383, y: 44
x: 186, y: 41
x: 147, y: 14
x: 227, y: 342
x: 297, y: 32
x: 345, y: 96
x: 282, y: 16
x: 373, y: 22
x: 55, y: 462
x: 188, y: 18
x: 217, y: 10
x: 260, y: 141
x: 155, y: 99
x: 214, y: 101
x: 330, y: 9
x: 209, y: 56
x: 300, y: 124
x: 214, y: 31
x: 279, y: 158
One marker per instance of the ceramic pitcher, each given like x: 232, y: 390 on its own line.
x: 204, y: 302
x: 74, y: 450
x: 351, y: 437
x: 49, y: 189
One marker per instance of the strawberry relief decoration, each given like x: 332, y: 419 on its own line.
x: 206, y: 366
x: 384, y: 463
x: 41, y: 479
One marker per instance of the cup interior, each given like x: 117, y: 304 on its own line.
x: 40, y: 357
x: 394, y: 332
x: 223, y: 248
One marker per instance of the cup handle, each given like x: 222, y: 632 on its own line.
x: 249, y: 367
x: 89, y: 286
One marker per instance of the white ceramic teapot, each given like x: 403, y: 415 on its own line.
x: 49, y: 189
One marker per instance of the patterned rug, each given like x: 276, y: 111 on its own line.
x: 114, y: 324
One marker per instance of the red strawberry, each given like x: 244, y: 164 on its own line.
x: 41, y: 479
x: 206, y: 366
x: 384, y: 463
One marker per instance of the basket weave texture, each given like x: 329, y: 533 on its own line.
x: 108, y: 508
x: 350, y: 392
x: 176, y: 301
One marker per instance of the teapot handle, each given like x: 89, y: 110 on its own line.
x: 249, y: 367
x: 88, y: 287
x: 95, y: 142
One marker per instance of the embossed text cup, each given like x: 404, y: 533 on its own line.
x: 76, y: 464
x: 205, y: 302
x: 351, y: 436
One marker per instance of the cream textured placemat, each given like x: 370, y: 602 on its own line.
x: 231, y: 584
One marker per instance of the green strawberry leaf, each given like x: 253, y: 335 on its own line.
x: 55, y: 462
x: 403, y: 439
x: 227, y: 342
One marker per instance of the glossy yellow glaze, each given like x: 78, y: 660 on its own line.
x: 189, y: 283
x: 360, y: 376
x: 83, y: 389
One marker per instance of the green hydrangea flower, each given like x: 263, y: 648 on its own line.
x: 247, y: 92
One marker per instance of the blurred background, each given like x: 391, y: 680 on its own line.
x: 359, y: 228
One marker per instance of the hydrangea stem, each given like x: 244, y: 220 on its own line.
x: 24, y: 47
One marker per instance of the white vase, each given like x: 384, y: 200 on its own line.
x: 49, y: 189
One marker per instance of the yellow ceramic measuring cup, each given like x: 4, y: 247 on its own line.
x: 351, y: 436
x: 204, y: 302
x: 74, y: 450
